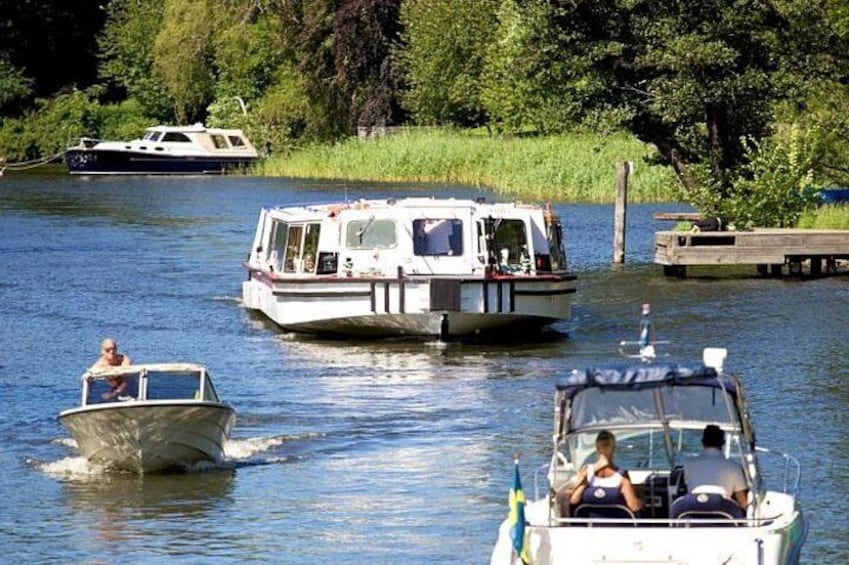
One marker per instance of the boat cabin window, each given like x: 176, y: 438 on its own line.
x: 152, y: 136
x: 371, y: 234
x: 236, y: 141
x: 169, y: 385
x: 176, y: 136
x: 219, y: 141
x: 294, y: 247
x: 438, y: 237
x: 310, y: 247
x: 277, y: 245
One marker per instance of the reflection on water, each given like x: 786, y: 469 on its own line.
x: 127, y: 497
x: 124, y: 507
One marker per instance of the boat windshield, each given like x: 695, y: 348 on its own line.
x: 371, y: 234
x: 168, y: 385
x: 646, y: 448
x: 597, y: 408
x: 437, y: 237
x: 654, y: 426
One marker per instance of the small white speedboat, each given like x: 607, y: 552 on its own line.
x: 432, y: 267
x: 657, y: 412
x: 164, y: 150
x: 148, y: 418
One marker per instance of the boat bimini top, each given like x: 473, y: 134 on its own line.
x: 656, y: 411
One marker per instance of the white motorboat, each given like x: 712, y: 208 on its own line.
x: 148, y: 418
x: 164, y: 150
x: 409, y: 267
x: 657, y: 412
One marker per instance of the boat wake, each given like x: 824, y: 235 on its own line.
x: 261, y: 450
x: 242, y: 452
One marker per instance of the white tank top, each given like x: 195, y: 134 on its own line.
x: 613, y: 481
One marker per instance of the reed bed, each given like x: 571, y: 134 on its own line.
x: 578, y: 167
x: 826, y: 217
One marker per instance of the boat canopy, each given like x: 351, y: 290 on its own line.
x: 637, y: 377
x: 656, y: 395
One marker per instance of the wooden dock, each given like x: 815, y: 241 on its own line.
x: 769, y: 249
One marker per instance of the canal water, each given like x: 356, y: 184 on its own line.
x: 344, y: 451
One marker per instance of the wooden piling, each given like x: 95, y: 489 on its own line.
x: 620, y: 211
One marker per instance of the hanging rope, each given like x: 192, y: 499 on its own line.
x: 31, y: 164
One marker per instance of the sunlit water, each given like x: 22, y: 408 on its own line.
x: 348, y: 452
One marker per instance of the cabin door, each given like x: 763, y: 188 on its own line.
x: 301, y: 247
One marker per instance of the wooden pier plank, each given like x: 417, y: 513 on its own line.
x: 768, y: 246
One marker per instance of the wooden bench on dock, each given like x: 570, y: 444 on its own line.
x: 769, y: 249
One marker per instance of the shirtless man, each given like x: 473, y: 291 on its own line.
x: 109, y: 356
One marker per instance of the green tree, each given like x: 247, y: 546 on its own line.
x: 126, y: 54
x: 364, y: 72
x: 695, y: 77
x: 183, y: 56
x: 53, y: 42
x: 537, y: 74
x: 776, y: 183
x: 342, y: 52
x: 444, y: 47
x: 14, y: 85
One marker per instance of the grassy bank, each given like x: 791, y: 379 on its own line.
x: 828, y: 217
x: 573, y: 168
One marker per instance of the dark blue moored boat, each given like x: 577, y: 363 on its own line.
x: 164, y: 150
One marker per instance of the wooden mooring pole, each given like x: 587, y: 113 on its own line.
x: 623, y: 169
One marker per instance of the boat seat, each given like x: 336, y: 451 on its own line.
x: 600, y: 502
x: 693, y: 507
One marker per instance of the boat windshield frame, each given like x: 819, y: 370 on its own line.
x: 197, y: 385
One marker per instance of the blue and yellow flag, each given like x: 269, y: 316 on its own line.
x: 516, y: 518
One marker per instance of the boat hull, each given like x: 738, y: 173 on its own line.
x: 777, y: 542
x: 113, y: 162
x: 150, y: 436
x: 420, y: 306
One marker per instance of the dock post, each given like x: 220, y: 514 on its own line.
x: 816, y: 266
x: 623, y: 169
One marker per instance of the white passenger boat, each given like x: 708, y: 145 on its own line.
x: 148, y: 418
x: 164, y: 150
x: 657, y: 412
x: 409, y: 267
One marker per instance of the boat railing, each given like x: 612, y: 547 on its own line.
x: 538, y: 481
x: 792, y: 471
x: 663, y: 522
x: 82, y: 142
x: 643, y: 352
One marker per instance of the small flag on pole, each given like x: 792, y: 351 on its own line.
x: 516, y: 518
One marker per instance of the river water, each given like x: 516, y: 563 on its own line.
x: 349, y: 452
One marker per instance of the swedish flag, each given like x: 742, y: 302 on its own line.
x: 516, y: 518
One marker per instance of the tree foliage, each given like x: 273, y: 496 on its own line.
x: 14, y: 85
x: 444, y: 45
x: 52, y: 42
x: 183, y: 56
x: 126, y: 53
x: 707, y: 82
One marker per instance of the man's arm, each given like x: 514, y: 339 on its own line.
x: 742, y: 498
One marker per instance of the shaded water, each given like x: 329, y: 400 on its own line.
x: 344, y: 451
